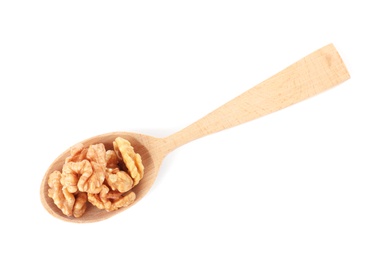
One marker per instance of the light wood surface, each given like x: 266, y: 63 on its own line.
x: 315, y: 73
x: 319, y: 71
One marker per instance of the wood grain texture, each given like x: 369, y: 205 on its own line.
x: 315, y: 73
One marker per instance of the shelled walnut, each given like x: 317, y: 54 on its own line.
x: 104, y: 178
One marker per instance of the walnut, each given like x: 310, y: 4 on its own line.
x: 100, y: 200
x: 97, y: 153
x: 69, y: 178
x: 132, y: 160
x: 63, y: 199
x: 72, y: 173
x: 111, y: 200
x: 118, y: 180
x: 104, y: 178
x: 124, y: 201
x: 78, y: 153
x: 91, y: 181
x: 80, y: 204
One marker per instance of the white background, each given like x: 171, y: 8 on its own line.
x: 295, y: 184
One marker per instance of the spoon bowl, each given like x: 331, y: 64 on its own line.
x: 147, y: 146
x: 311, y: 75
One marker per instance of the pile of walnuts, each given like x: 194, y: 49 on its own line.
x: 102, y: 177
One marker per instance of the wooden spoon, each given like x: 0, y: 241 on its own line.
x: 307, y: 77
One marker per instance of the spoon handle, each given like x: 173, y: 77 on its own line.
x: 307, y: 77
